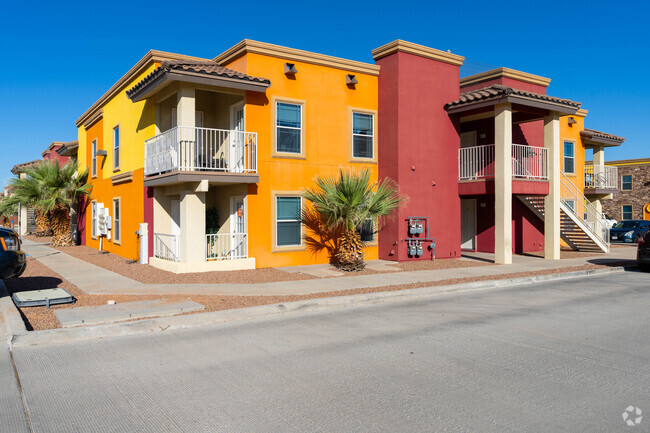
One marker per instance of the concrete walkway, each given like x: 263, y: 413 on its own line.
x: 99, y: 281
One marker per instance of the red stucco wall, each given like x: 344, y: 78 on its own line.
x: 418, y: 147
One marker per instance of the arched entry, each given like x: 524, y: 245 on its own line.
x: 646, y: 212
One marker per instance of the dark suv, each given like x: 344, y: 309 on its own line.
x: 629, y: 231
x: 12, y: 260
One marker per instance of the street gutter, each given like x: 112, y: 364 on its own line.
x: 19, y: 337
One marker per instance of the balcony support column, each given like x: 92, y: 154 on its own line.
x: 552, y: 200
x: 186, y: 107
x: 192, y: 237
x: 503, y: 184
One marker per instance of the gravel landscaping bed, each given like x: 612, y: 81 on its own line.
x: 38, y: 276
x: 150, y: 275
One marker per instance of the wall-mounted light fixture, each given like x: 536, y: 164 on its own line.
x: 351, y: 79
x: 290, y: 69
x: 101, y: 153
x: 572, y: 121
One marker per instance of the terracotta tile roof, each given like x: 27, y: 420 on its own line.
x: 19, y: 168
x: 592, y: 133
x: 207, y: 68
x: 498, y: 91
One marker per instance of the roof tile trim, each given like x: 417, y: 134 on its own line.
x: 201, y: 67
x: 497, y: 91
x: 590, y: 133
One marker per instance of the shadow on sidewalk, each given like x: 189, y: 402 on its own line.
x: 31, y: 283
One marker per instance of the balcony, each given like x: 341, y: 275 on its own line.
x: 477, y: 162
x: 186, y: 153
x: 601, y: 179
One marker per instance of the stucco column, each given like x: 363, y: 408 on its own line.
x: 22, y: 220
x: 192, y: 239
x: 552, y: 200
x: 186, y: 116
x: 503, y: 184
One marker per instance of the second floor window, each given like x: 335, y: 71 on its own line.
x: 94, y: 162
x: 288, y: 128
x: 569, y: 157
x: 362, y: 135
x: 116, y: 147
x: 626, y: 182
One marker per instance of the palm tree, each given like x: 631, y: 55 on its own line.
x: 57, y: 189
x: 29, y: 191
x: 344, y: 204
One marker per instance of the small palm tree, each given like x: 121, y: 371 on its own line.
x: 345, y: 204
x: 8, y: 209
x: 53, y: 189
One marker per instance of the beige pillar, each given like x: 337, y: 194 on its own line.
x: 23, y: 220
x: 192, y: 238
x: 552, y: 200
x: 599, y: 155
x: 503, y: 184
x: 186, y: 116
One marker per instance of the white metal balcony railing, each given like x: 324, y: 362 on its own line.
x: 477, y: 162
x: 583, y: 209
x: 186, y: 148
x: 228, y: 246
x: 165, y: 246
x: 601, y: 176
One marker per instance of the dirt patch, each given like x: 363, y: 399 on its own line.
x: 428, y: 265
x: 38, y: 276
x: 39, y: 239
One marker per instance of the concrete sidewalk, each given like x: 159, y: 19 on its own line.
x: 99, y: 281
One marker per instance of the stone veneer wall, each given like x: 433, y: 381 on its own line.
x: 638, y: 197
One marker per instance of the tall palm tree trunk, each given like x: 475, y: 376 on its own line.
x: 42, y: 223
x: 350, y: 252
x: 61, y: 226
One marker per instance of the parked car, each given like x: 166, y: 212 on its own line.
x: 12, y: 259
x: 643, y: 253
x: 629, y: 230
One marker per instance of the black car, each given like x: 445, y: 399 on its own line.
x: 629, y: 231
x: 643, y: 253
x: 12, y: 260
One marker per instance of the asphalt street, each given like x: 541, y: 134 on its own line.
x: 566, y: 356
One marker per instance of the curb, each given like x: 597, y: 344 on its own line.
x: 10, y: 318
x: 65, y: 335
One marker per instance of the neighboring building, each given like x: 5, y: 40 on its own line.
x: 215, y: 154
x: 52, y: 154
x: 633, y: 198
x: 26, y: 219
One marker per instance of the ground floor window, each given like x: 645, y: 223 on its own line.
x: 93, y: 219
x: 627, y: 211
x: 117, y: 217
x: 288, y: 221
x: 367, y: 231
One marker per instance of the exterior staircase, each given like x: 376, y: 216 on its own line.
x: 581, y: 224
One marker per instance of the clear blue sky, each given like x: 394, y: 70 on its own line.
x: 60, y: 57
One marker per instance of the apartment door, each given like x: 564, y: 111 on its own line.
x: 468, y: 224
x: 175, y: 229
x: 237, y: 126
x: 238, y: 239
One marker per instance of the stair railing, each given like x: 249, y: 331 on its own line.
x: 583, y: 209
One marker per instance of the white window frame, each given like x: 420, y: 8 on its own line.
x: 116, y: 148
x: 117, y: 221
x: 372, y: 147
x: 94, y: 158
x: 565, y: 157
x: 93, y: 219
x: 275, y: 153
x: 276, y: 221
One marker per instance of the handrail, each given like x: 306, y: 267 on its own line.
x: 601, y: 176
x: 226, y: 246
x: 583, y: 209
x: 477, y: 162
x: 165, y: 246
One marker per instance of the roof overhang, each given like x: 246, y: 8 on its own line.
x: 161, y: 78
x: 505, y: 73
x: 68, y: 149
x: 179, y: 177
x: 592, y: 137
x: 19, y: 168
x: 417, y: 50
x: 514, y: 99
